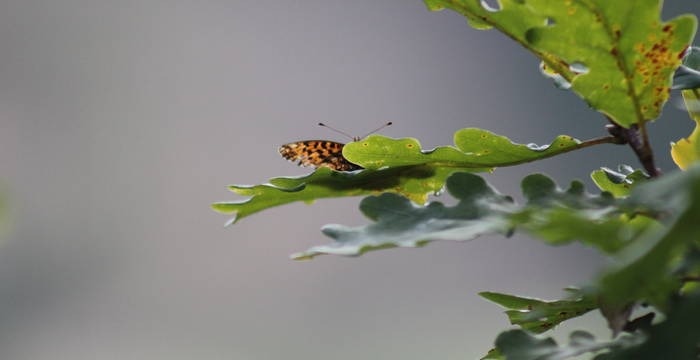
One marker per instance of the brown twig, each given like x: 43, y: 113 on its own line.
x: 638, y: 139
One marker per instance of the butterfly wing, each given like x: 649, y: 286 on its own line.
x: 318, y: 153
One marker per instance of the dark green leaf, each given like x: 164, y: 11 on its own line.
x: 645, y: 269
x: 520, y: 345
x: 687, y: 76
x: 559, y: 215
x: 538, y: 316
x: 400, y: 223
x: 677, y: 338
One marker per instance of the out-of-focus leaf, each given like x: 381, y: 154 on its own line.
x: 617, y: 315
x: 561, y: 216
x: 686, y: 152
x: 414, y: 182
x: 645, y: 270
x: 622, y: 68
x: 619, y: 183
x: 475, y: 148
x: 687, y: 76
x: 493, y: 354
x: 520, y: 345
x: 676, y: 338
x: 538, y: 316
x: 400, y: 223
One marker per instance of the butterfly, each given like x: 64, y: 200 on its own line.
x: 322, y: 153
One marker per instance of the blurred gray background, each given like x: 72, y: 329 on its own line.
x: 121, y: 121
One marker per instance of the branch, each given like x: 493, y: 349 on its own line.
x: 638, y: 139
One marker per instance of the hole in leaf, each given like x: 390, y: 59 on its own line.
x: 578, y: 68
x: 549, y: 22
x: 491, y: 5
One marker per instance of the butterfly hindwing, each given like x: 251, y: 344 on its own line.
x: 318, y: 153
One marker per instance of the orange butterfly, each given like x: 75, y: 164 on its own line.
x: 322, y: 153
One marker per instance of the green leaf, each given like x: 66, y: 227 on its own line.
x: 617, y: 55
x: 619, y: 183
x: 538, y: 316
x: 676, y: 338
x: 645, y: 270
x: 519, y: 345
x: 475, y: 148
x: 394, y: 165
x: 513, y: 18
x: 400, y: 223
x: 493, y: 354
x: 629, y: 63
x: 414, y: 182
x: 481, y: 210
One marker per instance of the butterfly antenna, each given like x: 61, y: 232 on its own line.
x: 377, y: 129
x: 336, y: 130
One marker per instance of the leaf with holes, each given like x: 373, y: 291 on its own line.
x: 619, y: 183
x: 394, y: 165
x: 519, y: 345
x: 626, y: 54
x: 414, y: 182
x: 513, y: 18
x: 538, y: 316
x: 559, y: 216
x: 475, y: 148
x: 617, y: 55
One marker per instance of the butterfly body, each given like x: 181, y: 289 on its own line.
x: 322, y: 153
x: 318, y: 153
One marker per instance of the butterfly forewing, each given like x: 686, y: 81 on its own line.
x: 318, y: 153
